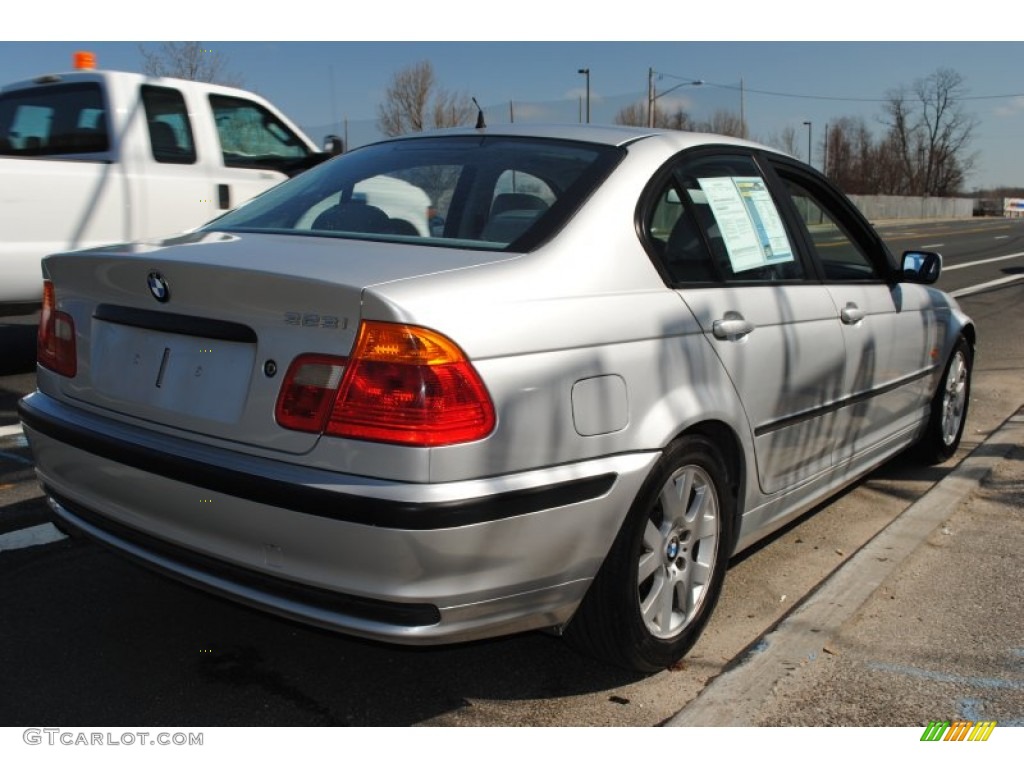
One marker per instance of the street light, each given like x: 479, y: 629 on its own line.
x: 653, y: 97
x: 808, y: 124
x: 586, y: 71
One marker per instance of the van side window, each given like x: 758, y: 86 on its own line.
x: 54, y: 120
x: 252, y: 137
x: 170, y: 133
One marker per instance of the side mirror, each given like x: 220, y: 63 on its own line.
x: 920, y: 267
x: 333, y: 145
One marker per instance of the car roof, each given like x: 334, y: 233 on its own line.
x: 611, y: 135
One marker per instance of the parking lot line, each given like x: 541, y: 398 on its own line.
x: 30, y: 537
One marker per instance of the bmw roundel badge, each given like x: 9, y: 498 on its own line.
x: 158, y: 287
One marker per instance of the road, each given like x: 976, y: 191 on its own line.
x: 88, y: 637
x: 975, y: 251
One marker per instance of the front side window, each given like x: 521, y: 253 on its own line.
x: 715, y: 220
x: 475, y: 192
x: 253, y: 137
x: 170, y: 132
x: 841, y: 257
x: 54, y: 120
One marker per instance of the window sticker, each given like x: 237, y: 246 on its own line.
x: 749, y: 221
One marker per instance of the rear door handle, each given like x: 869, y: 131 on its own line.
x: 851, y: 314
x: 732, y: 327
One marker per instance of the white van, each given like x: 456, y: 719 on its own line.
x: 91, y: 157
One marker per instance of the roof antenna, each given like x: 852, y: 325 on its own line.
x: 479, y: 114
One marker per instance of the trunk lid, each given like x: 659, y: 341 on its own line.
x: 197, y: 333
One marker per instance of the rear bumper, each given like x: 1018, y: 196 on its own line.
x: 410, y: 563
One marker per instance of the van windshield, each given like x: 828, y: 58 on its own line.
x: 491, y: 192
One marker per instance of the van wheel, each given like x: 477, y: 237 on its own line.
x: 660, y: 582
x: 949, y: 407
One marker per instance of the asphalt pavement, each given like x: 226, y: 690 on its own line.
x: 924, y: 624
x: 851, y: 653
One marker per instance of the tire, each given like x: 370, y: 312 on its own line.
x: 949, y: 407
x: 662, y: 577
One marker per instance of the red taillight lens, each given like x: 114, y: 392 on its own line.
x: 403, y: 384
x: 309, y: 391
x: 55, y: 347
x: 413, y: 404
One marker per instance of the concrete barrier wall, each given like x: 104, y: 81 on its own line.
x: 876, y: 207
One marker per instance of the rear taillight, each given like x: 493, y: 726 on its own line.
x: 309, y: 391
x: 55, y: 348
x: 402, y: 384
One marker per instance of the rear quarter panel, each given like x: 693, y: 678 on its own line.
x: 587, y: 304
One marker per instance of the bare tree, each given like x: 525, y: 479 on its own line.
x: 188, y: 61
x: 930, y: 133
x: 724, y: 122
x: 636, y: 114
x: 853, y: 156
x: 632, y: 114
x: 785, y: 141
x: 414, y: 102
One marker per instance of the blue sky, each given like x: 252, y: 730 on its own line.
x: 826, y: 80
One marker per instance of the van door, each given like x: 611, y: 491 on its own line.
x: 177, y: 177
x: 258, y: 150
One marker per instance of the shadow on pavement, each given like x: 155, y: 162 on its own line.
x: 243, y: 667
x: 17, y: 348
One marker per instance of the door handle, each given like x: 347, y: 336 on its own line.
x: 223, y: 196
x: 732, y: 327
x: 851, y: 314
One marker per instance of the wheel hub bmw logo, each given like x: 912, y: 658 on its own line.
x: 672, y: 550
x: 158, y: 287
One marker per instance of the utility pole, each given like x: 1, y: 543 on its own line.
x: 334, y: 103
x: 586, y: 72
x: 650, y: 97
x: 824, y: 160
x: 653, y: 96
x: 743, y: 118
x: 808, y: 124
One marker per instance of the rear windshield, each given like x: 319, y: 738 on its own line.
x: 473, y: 192
x: 53, y: 120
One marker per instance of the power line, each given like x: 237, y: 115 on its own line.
x: 816, y: 97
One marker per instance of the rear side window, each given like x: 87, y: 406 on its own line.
x: 715, y: 220
x: 491, y: 192
x: 170, y: 132
x: 54, y: 120
x: 252, y: 136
